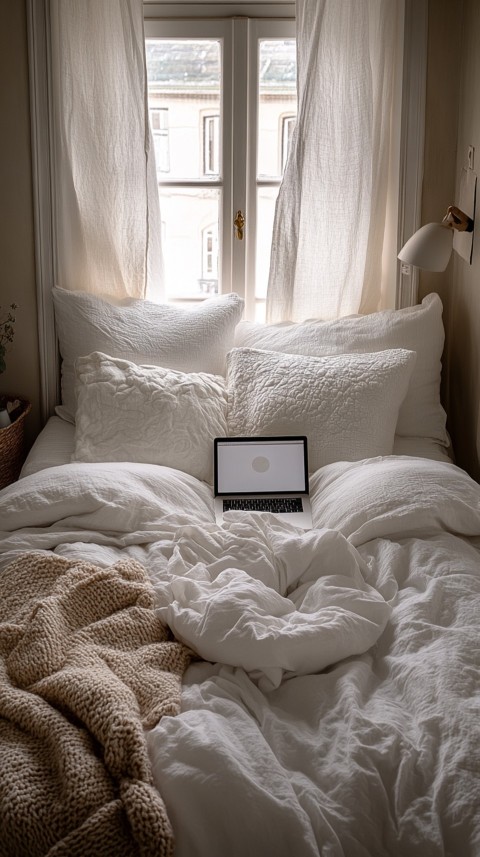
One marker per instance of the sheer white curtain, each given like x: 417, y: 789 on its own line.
x: 107, y: 209
x: 331, y: 211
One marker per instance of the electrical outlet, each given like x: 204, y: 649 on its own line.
x: 471, y: 157
x: 405, y: 269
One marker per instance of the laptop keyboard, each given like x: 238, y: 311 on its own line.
x: 264, y: 504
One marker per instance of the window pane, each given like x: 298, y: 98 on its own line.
x: 288, y: 124
x: 190, y: 241
x: 277, y: 102
x: 211, y: 145
x: 161, y: 142
x: 184, y: 78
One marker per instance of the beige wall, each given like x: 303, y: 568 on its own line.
x: 464, y: 330
x: 441, y: 120
x: 17, y: 272
x: 443, y: 86
x: 452, y: 124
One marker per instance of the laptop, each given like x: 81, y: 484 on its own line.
x: 263, y: 474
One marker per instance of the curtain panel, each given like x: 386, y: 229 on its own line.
x: 329, y: 227
x: 106, y: 196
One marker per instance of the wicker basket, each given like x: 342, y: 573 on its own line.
x: 11, y: 441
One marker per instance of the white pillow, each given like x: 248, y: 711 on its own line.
x: 147, y: 414
x: 418, y: 328
x: 194, y: 340
x: 347, y: 405
x: 396, y: 498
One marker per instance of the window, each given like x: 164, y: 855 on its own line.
x: 211, y: 80
x: 288, y: 124
x: 210, y: 251
x: 209, y: 281
x: 211, y: 145
x: 159, y: 126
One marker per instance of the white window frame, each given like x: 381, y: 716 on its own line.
x: 237, y: 181
x: 414, y: 41
x: 223, y: 31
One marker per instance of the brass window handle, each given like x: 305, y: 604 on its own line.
x: 239, y: 224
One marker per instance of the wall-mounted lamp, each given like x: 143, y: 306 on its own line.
x: 430, y: 247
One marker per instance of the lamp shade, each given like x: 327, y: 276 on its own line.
x: 429, y: 248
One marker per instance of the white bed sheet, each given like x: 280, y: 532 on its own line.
x: 376, y: 754
x: 53, y: 446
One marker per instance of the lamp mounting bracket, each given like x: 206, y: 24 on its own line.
x: 457, y: 219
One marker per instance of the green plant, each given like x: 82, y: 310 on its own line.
x: 7, y: 332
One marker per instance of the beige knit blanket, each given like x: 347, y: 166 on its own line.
x: 85, y: 666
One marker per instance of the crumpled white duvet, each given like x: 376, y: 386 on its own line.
x: 268, y: 598
x: 273, y: 755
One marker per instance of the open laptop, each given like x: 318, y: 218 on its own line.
x: 263, y: 474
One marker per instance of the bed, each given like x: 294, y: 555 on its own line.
x: 171, y: 686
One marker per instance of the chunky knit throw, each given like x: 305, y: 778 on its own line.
x: 85, y: 666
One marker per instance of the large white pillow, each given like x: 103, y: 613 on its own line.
x: 347, y: 405
x: 147, y: 414
x: 395, y: 498
x: 195, y: 340
x: 418, y: 328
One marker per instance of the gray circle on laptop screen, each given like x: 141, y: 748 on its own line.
x: 260, y: 464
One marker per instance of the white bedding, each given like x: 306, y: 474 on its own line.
x: 339, y: 714
x: 56, y: 443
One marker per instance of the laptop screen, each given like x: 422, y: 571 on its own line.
x: 261, y: 465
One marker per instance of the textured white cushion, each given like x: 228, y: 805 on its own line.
x: 418, y: 328
x: 347, y: 405
x: 194, y: 340
x: 147, y: 414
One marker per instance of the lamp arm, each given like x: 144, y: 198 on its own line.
x: 457, y: 219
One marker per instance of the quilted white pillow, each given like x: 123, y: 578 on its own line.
x: 418, y: 328
x: 347, y: 405
x: 195, y: 340
x: 147, y: 414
